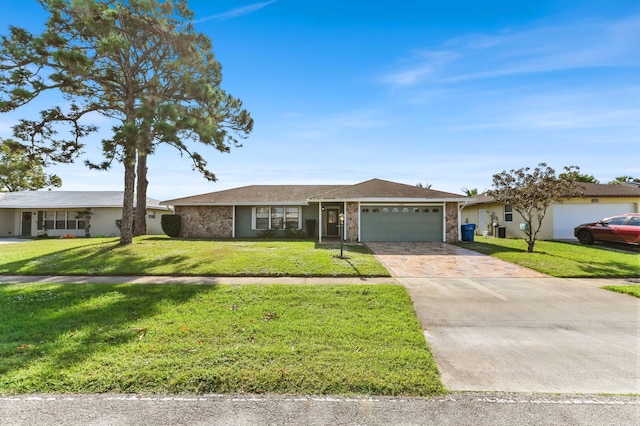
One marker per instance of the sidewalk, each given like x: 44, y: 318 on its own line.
x: 149, y: 279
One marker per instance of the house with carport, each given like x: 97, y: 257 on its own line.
x: 374, y: 210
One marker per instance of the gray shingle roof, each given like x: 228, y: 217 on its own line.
x: 374, y: 189
x: 378, y: 189
x: 591, y: 190
x: 66, y: 199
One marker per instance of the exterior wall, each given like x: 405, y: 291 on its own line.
x: 7, y: 223
x: 154, y: 221
x: 206, y: 221
x: 352, y: 223
x: 451, y: 222
x: 243, y: 223
x: 310, y: 212
x: 103, y: 222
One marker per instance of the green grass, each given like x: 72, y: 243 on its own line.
x: 633, y: 290
x: 324, y: 339
x: 560, y: 259
x: 164, y: 256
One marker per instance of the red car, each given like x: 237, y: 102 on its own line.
x: 624, y: 228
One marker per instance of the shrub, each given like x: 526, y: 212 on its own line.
x: 171, y: 224
x: 268, y: 233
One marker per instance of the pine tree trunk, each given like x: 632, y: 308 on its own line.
x: 126, y: 226
x: 140, y: 221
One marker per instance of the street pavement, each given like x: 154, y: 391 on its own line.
x: 514, y: 347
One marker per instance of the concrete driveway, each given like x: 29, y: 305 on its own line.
x: 517, y: 333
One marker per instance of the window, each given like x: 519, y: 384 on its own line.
x: 262, y: 218
x: 634, y: 221
x: 616, y: 221
x: 508, y: 213
x: 152, y: 215
x: 291, y: 217
x: 60, y: 219
x: 276, y: 218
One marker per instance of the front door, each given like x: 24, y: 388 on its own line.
x: 26, y: 224
x: 332, y: 222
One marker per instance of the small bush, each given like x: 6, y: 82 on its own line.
x: 268, y: 233
x: 171, y: 224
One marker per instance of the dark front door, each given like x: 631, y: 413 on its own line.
x: 26, y: 223
x: 332, y: 222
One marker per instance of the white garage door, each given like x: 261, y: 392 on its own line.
x: 568, y: 216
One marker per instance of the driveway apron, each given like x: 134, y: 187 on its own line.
x: 494, y: 326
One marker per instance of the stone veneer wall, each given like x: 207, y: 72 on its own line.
x: 352, y: 222
x: 206, y: 221
x: 451, y: 221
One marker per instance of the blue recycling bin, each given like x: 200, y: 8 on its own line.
x: 468, y: 230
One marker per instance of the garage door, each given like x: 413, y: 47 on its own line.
x: 401, y: 223
x: 568, y: 216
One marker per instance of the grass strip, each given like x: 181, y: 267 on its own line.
x: 184, y: 339
x: 633, y: 290
x: 155, y: 255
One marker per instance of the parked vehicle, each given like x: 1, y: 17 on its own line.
x: 623, y: 228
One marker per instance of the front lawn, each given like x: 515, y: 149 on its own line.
x: 321, y: 339
x: 560, y: 259
x: 154, y: 255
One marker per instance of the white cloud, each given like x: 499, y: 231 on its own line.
x: 538, y: 50
x: 240, y: 11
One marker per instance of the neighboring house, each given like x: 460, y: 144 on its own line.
x: 374, y: 210
x: 78, y: 213
x: 598, y: 201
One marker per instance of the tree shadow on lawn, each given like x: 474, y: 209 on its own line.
x: 56, y: 327
x: 87, y: 260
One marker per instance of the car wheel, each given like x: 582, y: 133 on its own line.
x: 585, y: 237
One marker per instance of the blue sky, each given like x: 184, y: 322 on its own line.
x: 440, y: 92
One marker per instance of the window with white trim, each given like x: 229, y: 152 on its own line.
x: 60, y: 219
x: 276, y: 217
x: 508, y: 213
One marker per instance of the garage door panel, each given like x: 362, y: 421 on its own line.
x: 401, y: 223
x: 568, y: 216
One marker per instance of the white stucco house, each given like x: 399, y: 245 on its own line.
x: 77, y: 213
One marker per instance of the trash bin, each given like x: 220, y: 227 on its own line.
x: 502, y: 232
x: 468, y: 229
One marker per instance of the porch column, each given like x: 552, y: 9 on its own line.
x: 346, y: 220
x: 320, y: 222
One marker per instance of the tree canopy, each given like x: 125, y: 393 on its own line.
x: 20, y: 173
x: 138, y: 62
x: 531, y: 192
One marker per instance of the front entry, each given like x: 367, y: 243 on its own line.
x: 332, y: 222
x: 26, y: 224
